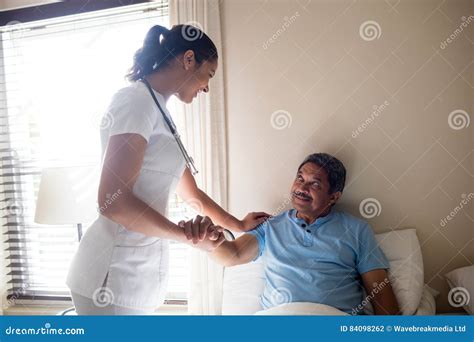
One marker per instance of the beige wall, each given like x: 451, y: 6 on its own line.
x: 320, y: 70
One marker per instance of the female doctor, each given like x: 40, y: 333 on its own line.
x: 121, y: 265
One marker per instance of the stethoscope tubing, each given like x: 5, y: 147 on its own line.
x: 189, y: 161
x: 228, y: 235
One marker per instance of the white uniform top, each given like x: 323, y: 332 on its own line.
x: 133, y: 267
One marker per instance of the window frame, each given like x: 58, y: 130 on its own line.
x: 55, y: 11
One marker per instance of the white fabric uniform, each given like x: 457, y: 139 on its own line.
x: 131, y: 266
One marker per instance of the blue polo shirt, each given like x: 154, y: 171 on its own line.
x: 319, y: 263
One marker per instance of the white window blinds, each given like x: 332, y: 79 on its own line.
x: 57, y: 76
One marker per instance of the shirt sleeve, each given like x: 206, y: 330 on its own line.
x: 370, y: 256
x: 130, y: 112
x: 259, y: 234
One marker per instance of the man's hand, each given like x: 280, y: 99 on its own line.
x: 252, y: 220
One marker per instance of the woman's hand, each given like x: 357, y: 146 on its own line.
x: 252, y: 220
x: 196, y: 229
x: 212, y: 237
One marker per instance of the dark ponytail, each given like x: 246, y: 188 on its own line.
x: 162, y: 45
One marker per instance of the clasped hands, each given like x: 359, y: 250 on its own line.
x: 207, y: 236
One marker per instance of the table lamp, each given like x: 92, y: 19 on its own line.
x: 67, y: 195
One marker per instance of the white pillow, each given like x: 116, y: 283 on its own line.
x: 428, y: 302
x: 244, y: 284
x: 302, y: 309
x: 402, y: 249
x: 461, y: 282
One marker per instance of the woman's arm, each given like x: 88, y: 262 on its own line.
x: 122, y: 164
x: 188, y: 190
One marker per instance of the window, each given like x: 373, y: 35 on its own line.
x: 58, y: 77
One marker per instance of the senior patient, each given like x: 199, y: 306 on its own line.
x: 313, y: 253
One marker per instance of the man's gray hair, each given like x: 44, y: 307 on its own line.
x: 334, y: 168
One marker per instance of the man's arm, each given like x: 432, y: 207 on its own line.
x: 380, y: 292
x: 240, y: 251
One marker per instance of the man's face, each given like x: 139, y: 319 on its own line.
x: 310, y: 191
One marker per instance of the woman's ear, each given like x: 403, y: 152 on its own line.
x: 189, y: 60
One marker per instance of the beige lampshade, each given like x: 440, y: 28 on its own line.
x: 67, y: 195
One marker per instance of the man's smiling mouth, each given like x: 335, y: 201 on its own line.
x: 301, y: 196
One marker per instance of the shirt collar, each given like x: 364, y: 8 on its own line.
x: 318, y: 222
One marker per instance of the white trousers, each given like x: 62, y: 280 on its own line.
x: 86, y: 306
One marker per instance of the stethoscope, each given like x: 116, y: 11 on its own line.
x: 189, y: 160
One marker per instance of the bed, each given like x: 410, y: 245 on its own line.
x: 244, y: 284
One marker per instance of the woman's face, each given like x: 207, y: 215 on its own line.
x: 195, y: 78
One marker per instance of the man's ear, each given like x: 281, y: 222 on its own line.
x: 335, y: 197
x: 189, y: 60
